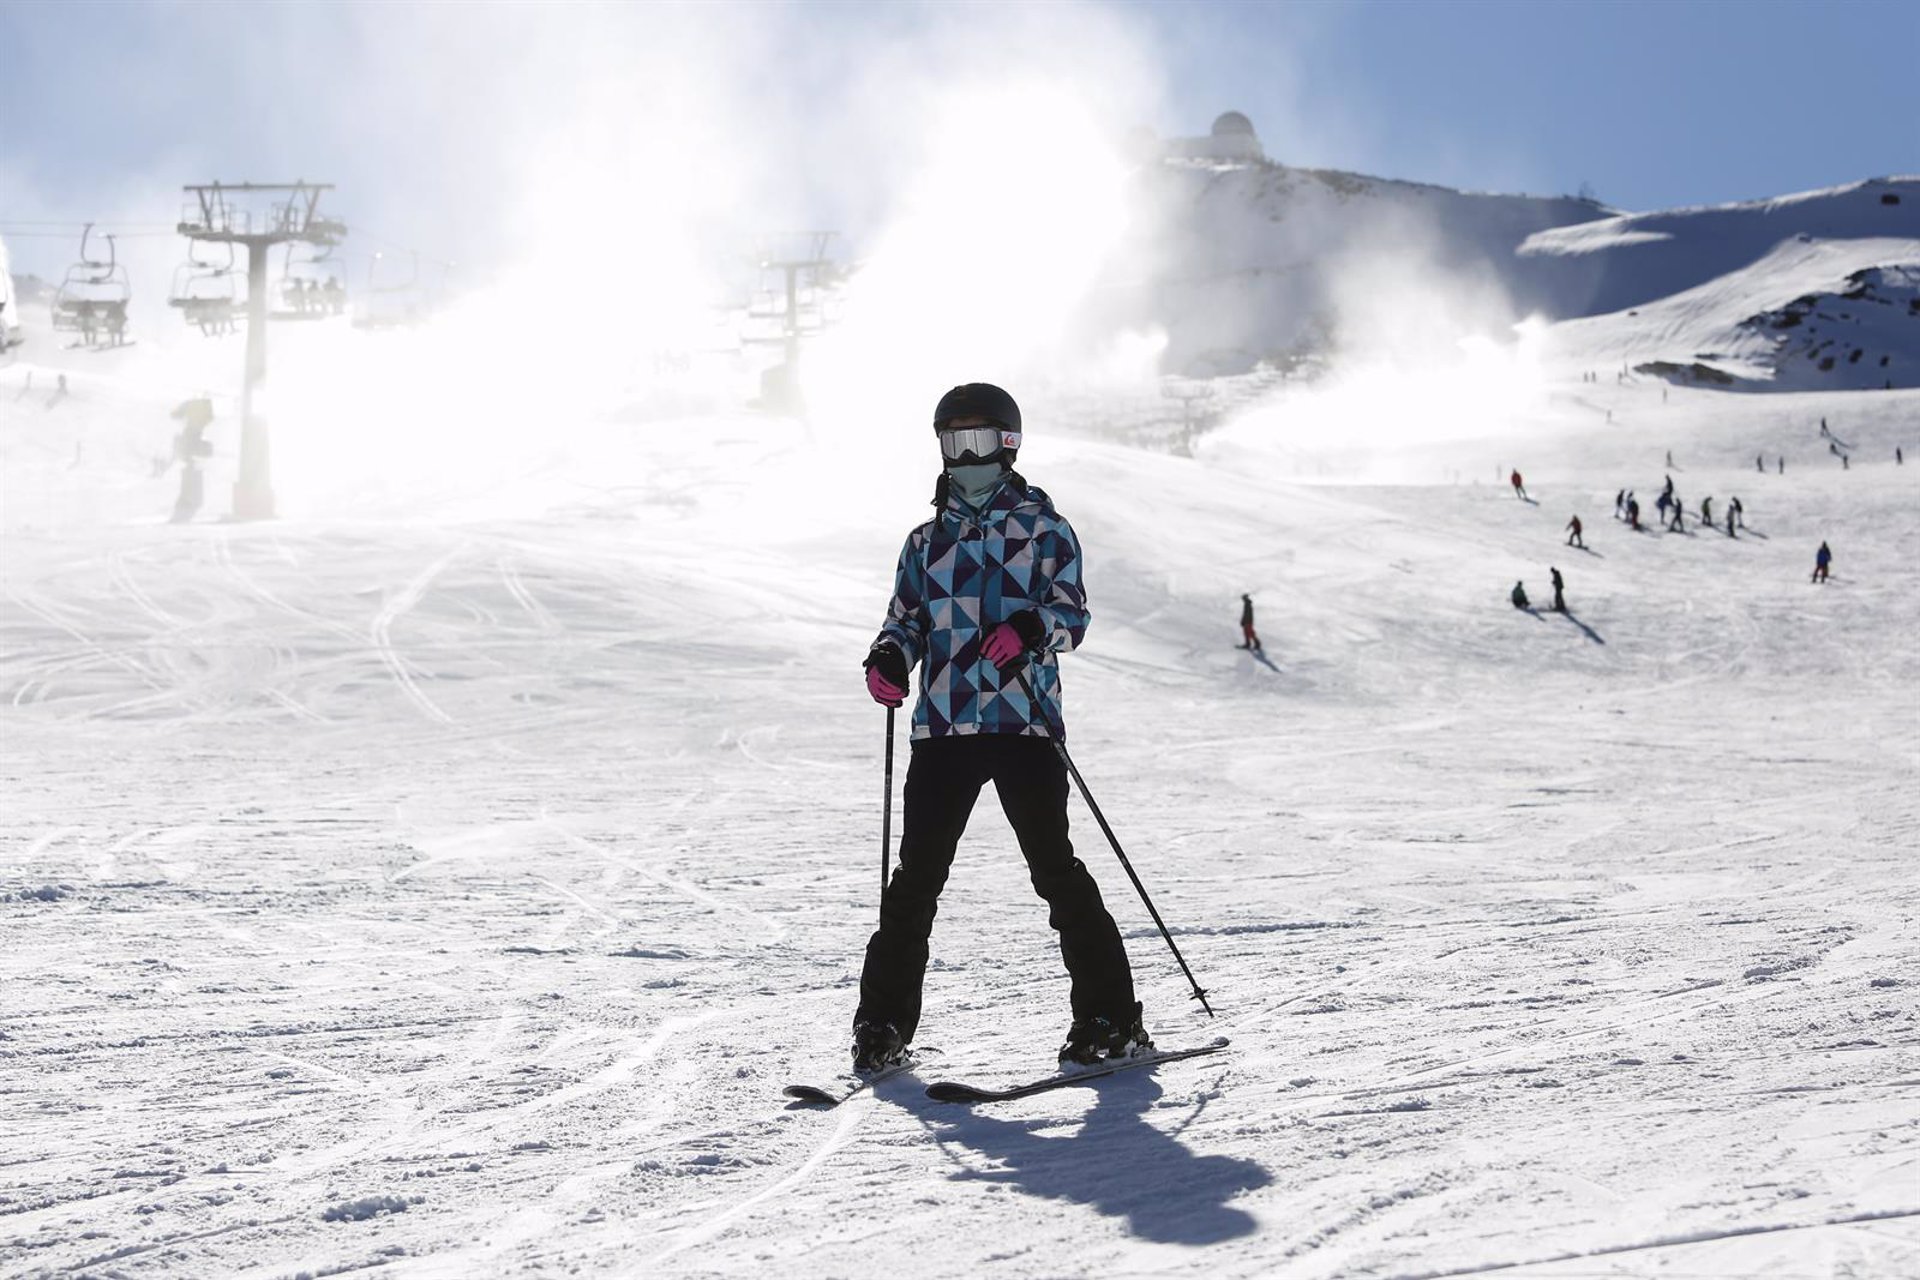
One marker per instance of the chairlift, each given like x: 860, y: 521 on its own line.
x: 92, y: 298
x: 313, y: 285
x: 210, y: 295
x: 390, y: 301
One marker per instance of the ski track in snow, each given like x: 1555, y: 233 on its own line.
x: 455, y: 898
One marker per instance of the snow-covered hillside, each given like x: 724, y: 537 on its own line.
x: 448, y: 892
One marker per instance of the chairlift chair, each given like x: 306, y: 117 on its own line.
x: 313, y: 285
x: 389, y: 302
x: 93, y: 296
x: 210, y: 295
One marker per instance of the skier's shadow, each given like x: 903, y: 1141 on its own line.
x: 1115, y: 1163
x: 1590, y: 632
x: 1590, y: 551
x: 1260, y: 656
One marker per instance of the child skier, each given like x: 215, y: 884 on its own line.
x: 987, y: 588
x: 1249, y: 638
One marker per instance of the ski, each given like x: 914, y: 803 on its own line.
x: 954, y: 1091
x: 851, y: 1085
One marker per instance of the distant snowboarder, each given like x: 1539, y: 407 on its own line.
x: 1559, y: 591
x: 987, y: 589
x: 1518, y: 596
x: 1573, y: 538
x: 1519, y: 489
x: 1249, y: 638
x: 1822, y: 560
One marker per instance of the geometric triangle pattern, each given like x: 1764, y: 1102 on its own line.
x: 961, y: 574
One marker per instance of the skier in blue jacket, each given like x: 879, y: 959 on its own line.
x: 987, y: 588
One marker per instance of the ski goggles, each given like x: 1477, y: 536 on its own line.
x: 976, y: 444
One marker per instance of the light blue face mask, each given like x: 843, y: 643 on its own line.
x: 976, y: 480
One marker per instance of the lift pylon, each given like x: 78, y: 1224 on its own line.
x: 223, y: 213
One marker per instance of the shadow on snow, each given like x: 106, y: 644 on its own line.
x: 1116, y: 1163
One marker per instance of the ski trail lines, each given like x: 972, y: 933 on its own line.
x: 381, y: 633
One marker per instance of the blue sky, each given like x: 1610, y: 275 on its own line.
x: 106, y: 107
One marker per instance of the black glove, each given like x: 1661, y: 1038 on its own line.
x: 890, y: 663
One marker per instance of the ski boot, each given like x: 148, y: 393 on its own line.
x: 1096, y: 1040
x: 877, y: 1046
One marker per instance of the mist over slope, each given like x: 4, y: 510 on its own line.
x: 1249, y: 261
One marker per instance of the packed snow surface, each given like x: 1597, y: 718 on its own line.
x: 454, y: 893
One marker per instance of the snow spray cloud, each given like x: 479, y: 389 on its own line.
x: 978, y: 180
x: 1425, y: 350
x: 590, y: 167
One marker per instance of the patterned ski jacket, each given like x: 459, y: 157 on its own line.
x: 961, y: 574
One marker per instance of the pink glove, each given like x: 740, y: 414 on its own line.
x: 1003, y: 645
x: 884, y: 691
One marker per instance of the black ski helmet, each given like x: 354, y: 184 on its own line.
x: 981, y: 400
x: 977, y: 400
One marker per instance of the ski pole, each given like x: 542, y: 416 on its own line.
x: 886, y: 814
x: 1199, y: 993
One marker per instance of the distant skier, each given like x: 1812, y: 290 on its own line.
x: 1661, y: 503
x: 1669, y: 487
x: 1519, y: 596
x: 1760, y: 463
x: 1736, y: 512
x: 1633, y: 512
x: 1783, y: 465
x: 1706, y: 511
x: 1619, y: 504
x: 1677, y: 520
x: 1249, y: 638
x: 1669, y: 463
x: 1519, y: 489
x: 990, y: 586
x: 1822, y: 560
x: 1574, y: 539
x: 1899, y: 459
x: 1559, y: 591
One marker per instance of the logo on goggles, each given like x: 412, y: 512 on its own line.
x: 978, y: 443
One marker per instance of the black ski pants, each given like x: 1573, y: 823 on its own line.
x: 943, y: 781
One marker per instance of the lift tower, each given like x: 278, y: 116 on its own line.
x: 225, y: 214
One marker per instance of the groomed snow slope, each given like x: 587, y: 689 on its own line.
x: 454, y: 895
